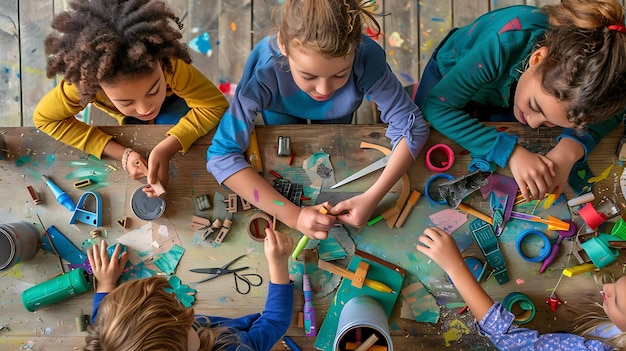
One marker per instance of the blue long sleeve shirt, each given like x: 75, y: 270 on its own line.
x: 257, y: 331
x: 480, y: 62
x: 498, y: 326
x: 268, y: 86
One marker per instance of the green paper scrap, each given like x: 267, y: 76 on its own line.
x: 183, y: 292
x: 329, y: 250
x: 168, y: 261
x: 378, y: 272
x: 422, y: 304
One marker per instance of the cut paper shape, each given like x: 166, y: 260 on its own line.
x: 168, y: 261
x: 448, y: 220
x: 183, y: 292
x: 329, y: 250
x: 319, y: 169
x: 422, y: 306
x: 138, y: 243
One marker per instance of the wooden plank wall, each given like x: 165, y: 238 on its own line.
x: 411, y: 30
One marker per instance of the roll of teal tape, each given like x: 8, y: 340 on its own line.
x: 524, y: 303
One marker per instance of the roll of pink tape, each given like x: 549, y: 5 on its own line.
x: 446, y: 164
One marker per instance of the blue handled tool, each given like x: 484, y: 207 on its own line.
x: 62, y: 197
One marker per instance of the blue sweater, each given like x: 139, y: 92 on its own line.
x: 258, y: 331
x: 268, y: 87
x: 480, y: 62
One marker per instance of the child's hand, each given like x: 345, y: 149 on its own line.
x: 441, y: 248
x: 533, y: 173
x: 106, y: 271
x: 567, y: 152
x: 314, y: 224
x: 355, y: 211
x: 134, y: 171
x: 278, y: 248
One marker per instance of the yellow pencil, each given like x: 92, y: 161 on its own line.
x: 378, y: 286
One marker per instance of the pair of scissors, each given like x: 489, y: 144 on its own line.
x: 381, y: 163
x: 248, y: 280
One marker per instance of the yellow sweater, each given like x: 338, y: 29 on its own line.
x: 54, y: 114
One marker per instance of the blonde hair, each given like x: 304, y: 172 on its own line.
x: 592, y: 320
x: 331, y: 27
x: 142, y: 315
x: 585, y: 66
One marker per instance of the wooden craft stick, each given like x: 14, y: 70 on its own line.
x: 367, y: 343
x: 353, y: 345
x: 158, y: 187
x: 474, y: 212
x: 415, y: 196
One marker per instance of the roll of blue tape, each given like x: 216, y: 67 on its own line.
x: 432, y: 178
x: 525, y: 304
x: 545, y: 250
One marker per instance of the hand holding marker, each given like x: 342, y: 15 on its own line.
x: 305, y: 239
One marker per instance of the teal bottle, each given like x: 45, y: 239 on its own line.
x: 56, y: 289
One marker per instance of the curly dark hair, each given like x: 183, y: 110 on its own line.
x: 585, y: 65
x: 104, y: 40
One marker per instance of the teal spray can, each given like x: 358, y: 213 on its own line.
x: 56, y: 289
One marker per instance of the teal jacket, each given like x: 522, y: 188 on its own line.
x: 480, y: 62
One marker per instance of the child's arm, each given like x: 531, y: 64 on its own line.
x: 54, y: 115
x: 248, y: 184
x: 278, y: 248
x: 357, y: 210
x: 107, y: 271
x: 441, y: 248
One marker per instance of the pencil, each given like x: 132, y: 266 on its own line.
x: 376, y: 285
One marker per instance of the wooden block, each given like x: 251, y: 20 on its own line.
x: 223, y: 231
x: 245, y: 205
x: 202, y: 202
x: 231, y: 203
x: 122, y: 222
x: 359, y: 275
x: 300, y: 319
x: 415, y: 196
x: 158, y: 187
x: 33, y: 195
x: 199, y: 223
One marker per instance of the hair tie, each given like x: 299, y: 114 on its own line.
x: 618, y: 28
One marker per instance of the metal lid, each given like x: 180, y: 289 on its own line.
x: 146, y: 208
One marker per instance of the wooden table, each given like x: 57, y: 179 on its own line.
x: 53, y: 328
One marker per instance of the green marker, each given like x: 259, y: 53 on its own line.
x: 305, y: 239
x: 375, y: 220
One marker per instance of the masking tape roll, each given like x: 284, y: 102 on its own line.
x: 256, y: 232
